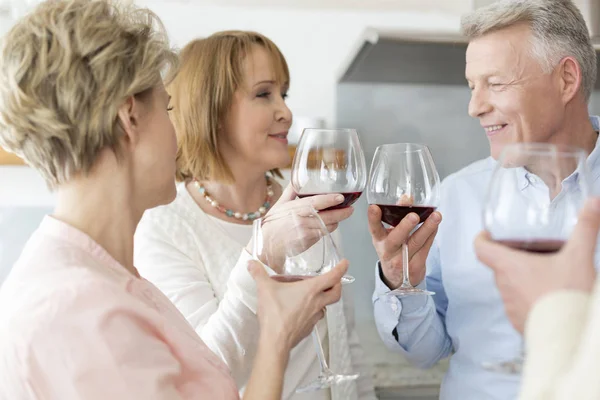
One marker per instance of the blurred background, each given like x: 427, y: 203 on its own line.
x: 392, y: 69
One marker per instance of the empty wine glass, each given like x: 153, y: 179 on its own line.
x: 308, y: 251
x: 533, y: 201
x: 403, y: 180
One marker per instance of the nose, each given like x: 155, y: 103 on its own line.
x: 479, y: 103
x: 283, y: 113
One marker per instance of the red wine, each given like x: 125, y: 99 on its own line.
x: 543, y: 246
x: 289, y: 278
x: 392, y: 215
x: 349, y: 199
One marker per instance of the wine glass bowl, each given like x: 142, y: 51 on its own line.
x: 535, y: 195
x: 307, y: 250
x: 329, y: 161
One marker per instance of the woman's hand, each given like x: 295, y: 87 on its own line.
x: 288, y: 212
x: 287, y: 311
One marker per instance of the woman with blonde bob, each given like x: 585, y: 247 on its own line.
x: 232, y: 122
x: 82, y: 101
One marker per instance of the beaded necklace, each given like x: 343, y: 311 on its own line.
x: 233, y: 214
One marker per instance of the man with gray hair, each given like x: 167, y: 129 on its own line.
x: 531, y: 68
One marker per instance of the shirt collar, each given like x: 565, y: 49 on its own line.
x: 65, y: 232
x: 593, y: 161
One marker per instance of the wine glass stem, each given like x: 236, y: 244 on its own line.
x: 405, y: 269
x: 319, y: 347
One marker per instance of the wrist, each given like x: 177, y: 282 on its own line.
x: 275, y: 347
x: 391, y: 284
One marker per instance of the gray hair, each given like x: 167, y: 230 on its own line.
x: 558, y: 29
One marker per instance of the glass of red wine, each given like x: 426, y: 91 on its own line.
x: 307, y: 251
x: 534, y: 198
x: 404, y: 180
x: 329, y: 161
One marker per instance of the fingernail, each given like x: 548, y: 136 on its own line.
x: 339, y: 197
x: 414, y: 218
x: 435, y: 217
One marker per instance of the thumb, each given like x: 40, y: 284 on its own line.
x: 257, y: 271
x: 585, y: 234
x: 331, y: 278
x: 378, y: 232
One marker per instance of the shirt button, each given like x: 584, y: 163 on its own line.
x: 394, y: 307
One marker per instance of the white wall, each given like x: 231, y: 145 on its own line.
x: 315, y: 42
x: 23, y: 186
x: 24, y: 199
x: 381, y: 5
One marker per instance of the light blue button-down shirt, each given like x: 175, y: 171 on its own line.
x: 466, y: 315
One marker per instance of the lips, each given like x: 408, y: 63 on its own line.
x: 280, y: 137
x: 492, y: 130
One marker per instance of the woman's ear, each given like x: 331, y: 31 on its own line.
x: 129, y: 119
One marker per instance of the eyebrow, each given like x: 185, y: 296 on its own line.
x: 267, y: 81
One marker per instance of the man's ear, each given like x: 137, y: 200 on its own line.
x: 129, y: 119
x: 571, y: 78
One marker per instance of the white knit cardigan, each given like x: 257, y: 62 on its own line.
x: 181, y: 250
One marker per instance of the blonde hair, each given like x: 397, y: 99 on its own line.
x: 202, y: 94
x: 65, y: 69
x: 557, y: 27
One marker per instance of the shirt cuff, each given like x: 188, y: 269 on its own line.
x: 242, y: 283
x: 386, y: 309
x: 406, y: 304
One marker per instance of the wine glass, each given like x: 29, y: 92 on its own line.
x: 308, y: 251
x: 329, y: 161
x: 534, y: 198
x: 404, y: 180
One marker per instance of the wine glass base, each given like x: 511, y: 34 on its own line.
x: 325, y: 381
x: 346, y: 279
x: 511, y: 367
x: 408, y: 291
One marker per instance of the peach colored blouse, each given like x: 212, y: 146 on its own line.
x: 75, y: 324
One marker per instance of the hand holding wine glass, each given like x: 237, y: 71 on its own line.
x: 276, y: 223
x: 290, y: 310
x: 403, y: 191
x: 534, y: 198
x: 524, y: 277
x: 310, y: 254
x: 330, y: 161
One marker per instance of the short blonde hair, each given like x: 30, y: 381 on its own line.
x: 202, y: 94
x: 558, y: 30
x: 65, y: 69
